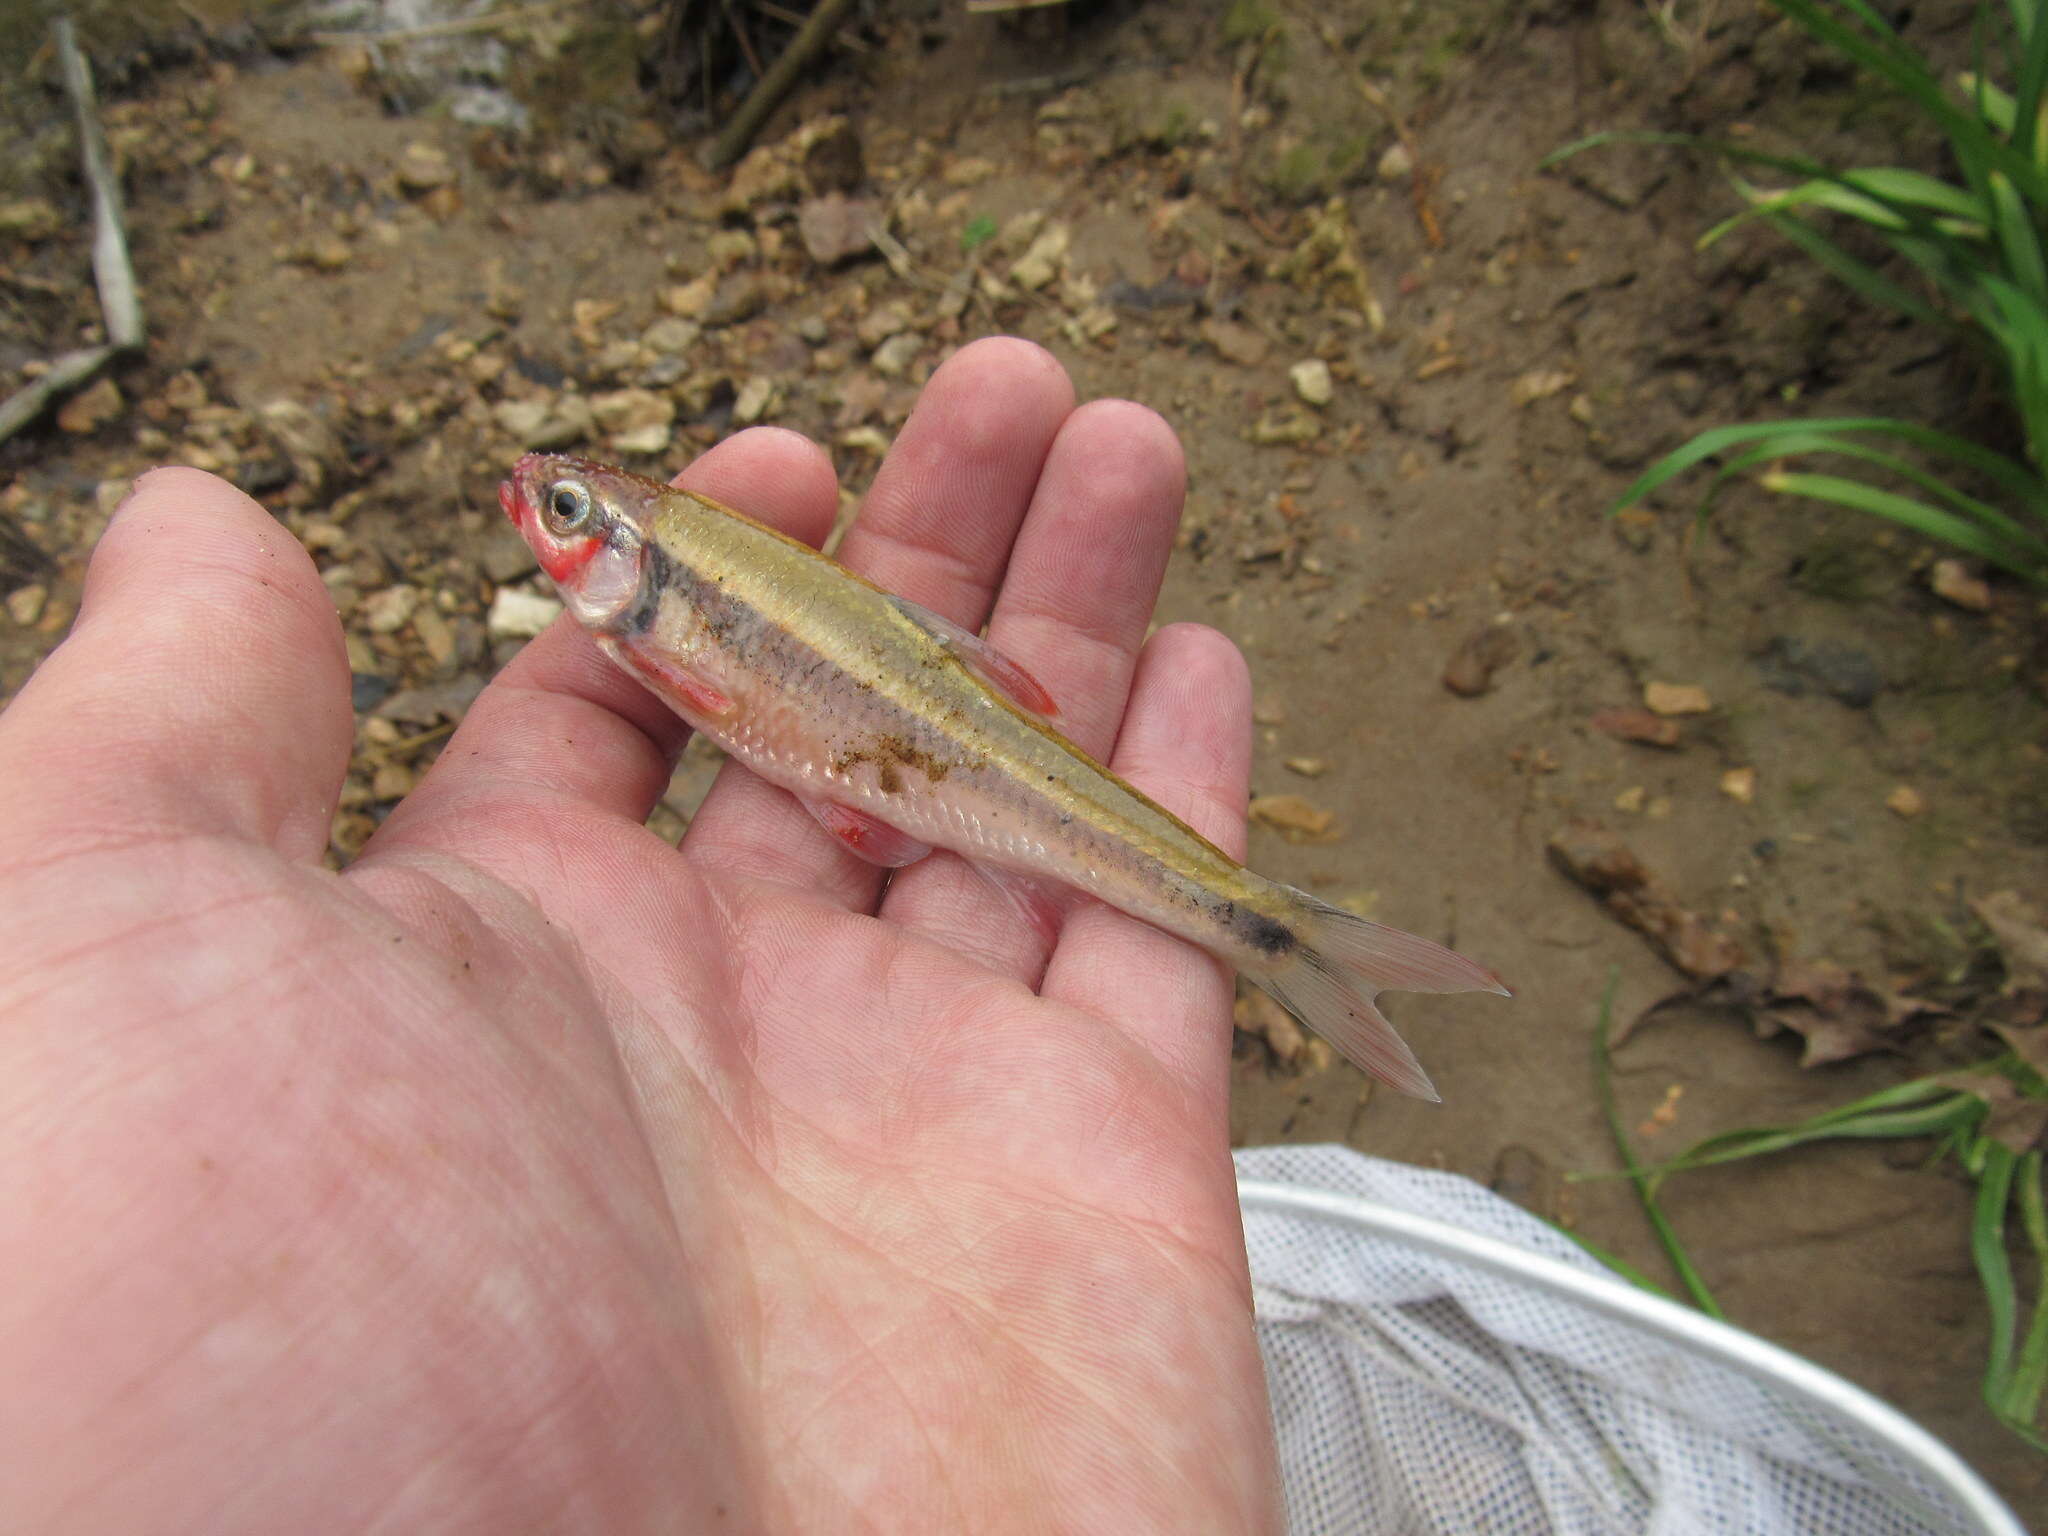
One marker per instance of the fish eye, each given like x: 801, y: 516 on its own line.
x: 568, y: 506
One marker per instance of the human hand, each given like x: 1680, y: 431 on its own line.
x: 531, y: 1173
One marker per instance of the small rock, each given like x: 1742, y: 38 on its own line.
x: 545, y: 423
x: 755, y: 399
x: 1955, y: 582
x: 1312, y: 381
x: 1842, y: 672
x: 1637, y: 725
x: 1294, y: 818
x: 836, y: 228
x: 896, y: 354
x: 670, y: 335
x: 1237, y: 342
x: 1308, y: 767
x: 1676, y: 699
x: 29, y: 218
x: 423, y: 167
x: 25, y: 604
x: 1041, y: 263
x: 367, y: 690
x: 91, y: 408
x: 1905, y: 801
x: 1470, y: 670
x: 1284, y: 428
x: 1538, y: 384
x: 432, y: 704
x: 1739, y: 785
x: 517, y: 614
x: 813, y: 330
x: 389, y: 611
x: 737, y: 297
x: 1396, y: 163
x: 393, y: 781
x: 435, y: 635
x: 1631, y: 800
x: 690, y: 300
x: 835, y: 161
x: 882, y: 322
x: 637, y: 420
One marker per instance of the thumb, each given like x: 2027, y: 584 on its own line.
x: 203, y: 689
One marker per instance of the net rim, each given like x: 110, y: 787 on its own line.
x: 1721, y: 1342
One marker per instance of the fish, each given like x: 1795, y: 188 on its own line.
x: 901, y: 731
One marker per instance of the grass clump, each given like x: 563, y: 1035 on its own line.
x: 1978, y: 267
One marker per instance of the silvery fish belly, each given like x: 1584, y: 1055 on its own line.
x: 902, y: 732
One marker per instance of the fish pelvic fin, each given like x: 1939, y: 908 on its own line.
x: 1341, y: 965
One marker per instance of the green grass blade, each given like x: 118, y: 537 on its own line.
x: 1994, y: 1269
x: 2018, y: 238
x: 2030, y: 1374
x: 1603, y: 1075
x: 1922, y: 518
x: 1858, y: 275
x: 1618, y: 1264
x: 1993, y: 105
x: 1799, y: 444
x: 1976, y: 149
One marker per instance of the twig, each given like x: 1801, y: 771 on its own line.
x: 787, y: 17
x: 110, y: 264
x: 112, y: 271
x: 996, y: 7
x: 769, y: 90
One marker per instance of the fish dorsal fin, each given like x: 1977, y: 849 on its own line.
x: 983, y: 659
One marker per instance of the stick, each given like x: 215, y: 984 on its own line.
x: 112, y: 271
x: 110, y: 264
x: 769, y: 90
x: 486, y: 23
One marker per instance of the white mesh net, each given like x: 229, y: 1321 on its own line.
x: 1416, y: 1391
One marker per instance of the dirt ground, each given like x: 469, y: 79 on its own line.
x: 364, y: 303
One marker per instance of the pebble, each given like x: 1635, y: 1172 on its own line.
x: 1954, y: 581
x: 1235, y: 341
x: 1311, y: 379
x: 92, y: 408
x: 1905, y: 801
x: 1739, y: 785
x: 836, y: 228
x: 1638, y: 725
x: 1041, y: 263
x: 1396, y: 163
x: 1676, y: 699
x: 436, y: 635
x: 755, y: 399
x: 1294, y: 818
x: 389, y: 611
x: 517, y: 614
x: 423, y: 167
x: 25, y: 604
x: 896, y: 354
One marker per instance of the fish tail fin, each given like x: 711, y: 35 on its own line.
x: 1342, y: 963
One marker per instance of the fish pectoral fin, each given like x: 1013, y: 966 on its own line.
x: 866, y: 838
x: 983, y: 659
x: 674, y: 683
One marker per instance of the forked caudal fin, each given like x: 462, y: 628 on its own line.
x: 1342, y: 963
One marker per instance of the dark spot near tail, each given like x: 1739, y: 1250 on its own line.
x: 1269, y: 936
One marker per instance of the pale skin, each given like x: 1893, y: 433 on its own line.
x: 534, y: 1174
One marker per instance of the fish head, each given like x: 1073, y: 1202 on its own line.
x: 585, y: 523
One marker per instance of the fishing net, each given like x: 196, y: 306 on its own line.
x: 1442, y: 1362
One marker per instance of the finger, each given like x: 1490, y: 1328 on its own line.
x: 1186, y: 742
x: 1079, y: 591
x: 204, y: 687
x: 562, y: 728
x: 937, y: 529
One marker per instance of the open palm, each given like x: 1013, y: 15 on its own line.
x: 532, y: 1174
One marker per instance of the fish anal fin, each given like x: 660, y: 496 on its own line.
x: 1040, y: 907
x: 984, y: 660
x: 866, y: 838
